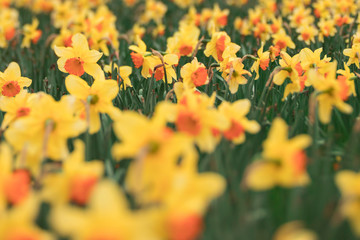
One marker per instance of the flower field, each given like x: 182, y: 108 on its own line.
x: 179, y: 119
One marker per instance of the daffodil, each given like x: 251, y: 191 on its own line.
x: 288, y: 70
x: 236, y: 113
x: 142, y: 58
x: 45, y: 131
x: 165, y: 69
x: 194, y: 74
x: 31, y: 34
x: 262, y: 61
x: 11, y: 81
x: 196, y: 116
x: 348, y: 183
x: 15, y: 108
x: 123, y: 73
x: 283, y: 161
x: 19, y: 222
x: 354, y: 55
x: 234, y: 73
x: 106, y: 217
x: 94, y: 99
x: 349, y: 79
x: 76, y: 181
x: 78, y: 59
x: 217, y: 45
x: 330, y: 94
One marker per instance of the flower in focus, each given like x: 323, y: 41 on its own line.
x: 11, y: 81
x: 122, y: 72
x: 194, y: 74
x: 217, y: 45
x: 78, y: 59
x: 262, y: 61
x: 354, y: 55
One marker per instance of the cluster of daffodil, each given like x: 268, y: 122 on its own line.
x: 165, y: 195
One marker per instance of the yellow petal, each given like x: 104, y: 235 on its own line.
x: 77, y: 87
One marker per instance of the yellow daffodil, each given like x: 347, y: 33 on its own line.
x: 283, y: 162
x: 142, y: 58
x: 348, y: 183
x: 78, y: 59
x: 123, y: 73
x: 76, y: 181
x: 262, y: 61
x: 94, y: 99
x: 45, y: 130
x: 194, y: 74
x: 349, y: 79
x: 11, y: 81
x: 236, y: 113
x: 330, y: 93
x: 15, y: 108
x: 168, y: 71
x: 31, y: 34
x: 354, y: 55
x: 217, y: 45
x: 234, y: 73
x: 106, y: 217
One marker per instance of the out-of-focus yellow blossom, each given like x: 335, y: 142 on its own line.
x: 196, y: 117
x: 236, y: 112
x: 300, y: 17
x: 78, y: 59
x: 326, y: 28
x: 94, y: 99
x: 76, y: 181
x: 154, y: 10
x: 15, y: 185
x: 106, y: 217
x: 31, y: 33
x: 11, y: 81
x: 348, y: 183
x: 44, y: 132
x: 294, y: 230
x: 19, y: 222
x: 184, y: 41
x: 330, y: 93
x: 15, y: 108
x: 283, y: 161
x: 307, y: 33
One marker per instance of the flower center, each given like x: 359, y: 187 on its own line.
x: 222, y: 20
x: 81, y: 188
x: 264, y: 63
x: 281, y: 44
x: 185, y: 50
x: 305, y: 36
x: 93, y: 99
x: 235, y: 130
x: 75, y: 66
x: 17, y: 186
x: 159, y: 73
x: 199, y: 77
x: 137, y: 59
x: 220, y: 47
x: 188, y: 227
x: 300, y: 161
x: 10, y: 89
x: 188, y: 122
x: 21, y: 112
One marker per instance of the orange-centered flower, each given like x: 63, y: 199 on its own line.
x: 11, y: 81
x: 78, y: 59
